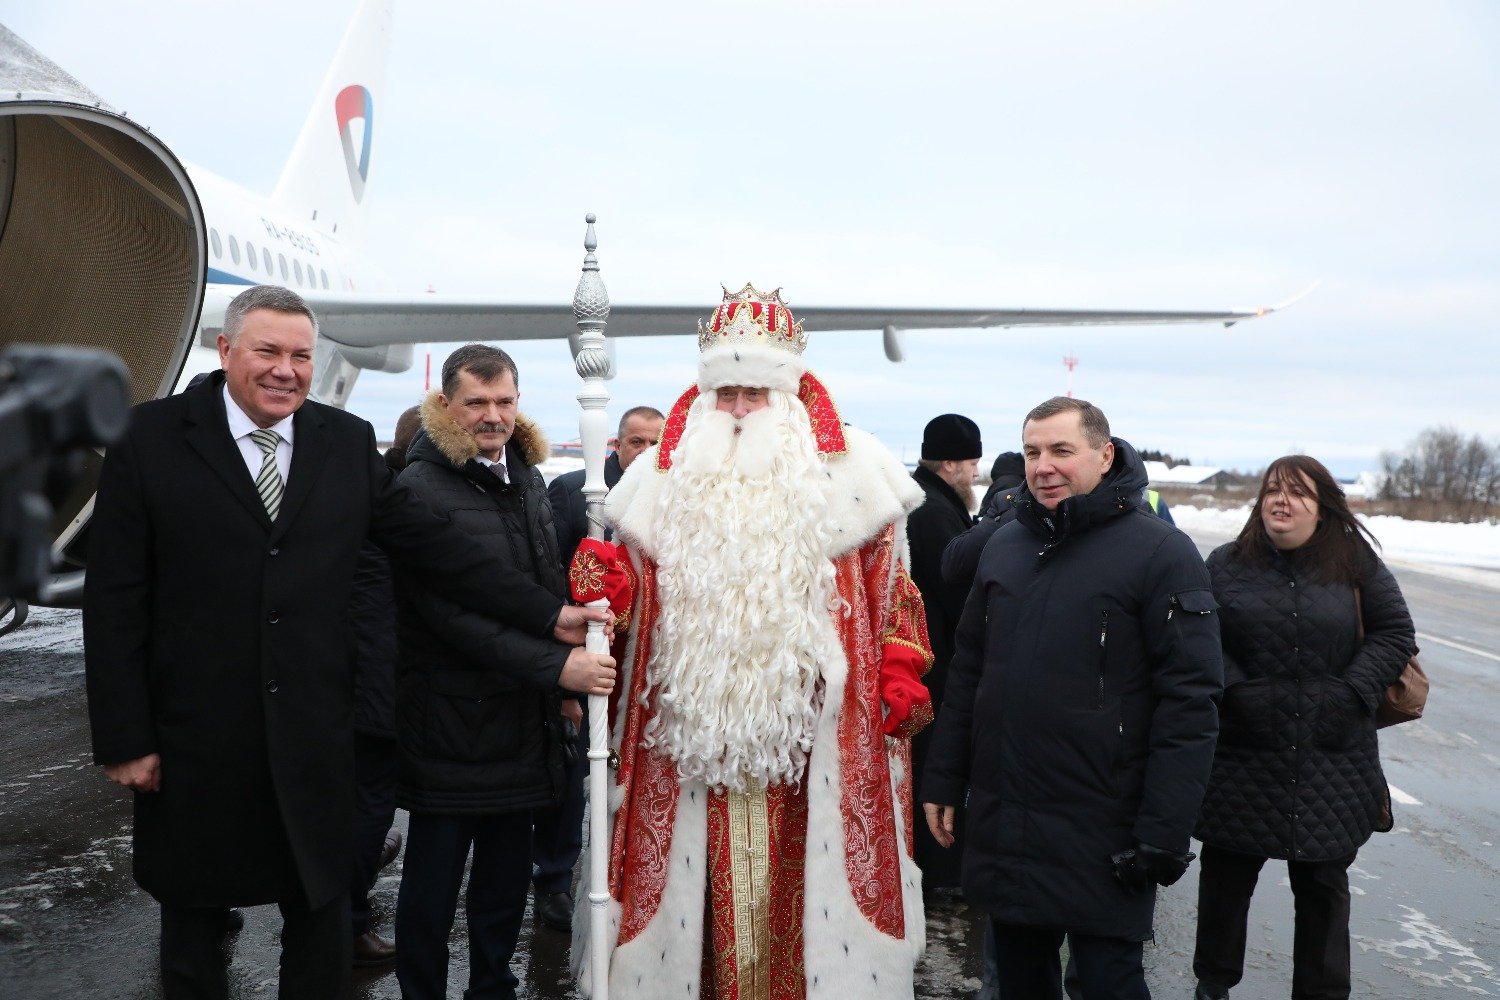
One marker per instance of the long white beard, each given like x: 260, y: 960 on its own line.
x: 746, y: 589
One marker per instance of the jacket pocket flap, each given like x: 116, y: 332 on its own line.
x: 1199, y: 602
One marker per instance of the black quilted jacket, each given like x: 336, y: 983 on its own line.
x: 1297, y: 772
x: 477, y: 701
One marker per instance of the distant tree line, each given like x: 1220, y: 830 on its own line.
x: 1443, y: 476
x: 1164, y: 457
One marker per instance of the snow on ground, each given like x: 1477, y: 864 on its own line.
x: 557, y: 465
x: 1469, y: 552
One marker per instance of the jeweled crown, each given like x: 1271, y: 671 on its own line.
x: 752, y: 317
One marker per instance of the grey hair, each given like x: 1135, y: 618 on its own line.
x: 648, y: 412
x: 1092, y: 419
x: 272, y: 297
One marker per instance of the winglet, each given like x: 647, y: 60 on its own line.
x: 1260, y: 311
x: 1300, y: 295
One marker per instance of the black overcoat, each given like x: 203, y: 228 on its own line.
x: 477, y: 703
x: 942, y: 517
x: 1080, y: 711
x: 1297, y: 772
x: 220, y: 641
x: 372, y: 624
x: 961, y: 557
x: 570, y: 508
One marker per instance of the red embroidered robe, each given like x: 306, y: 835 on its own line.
x: 809, y: 890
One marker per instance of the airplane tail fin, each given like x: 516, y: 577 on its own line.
x: 325, y: 179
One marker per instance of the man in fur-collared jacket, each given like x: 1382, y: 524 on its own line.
x: 477, y: 702
x: 761, y: 834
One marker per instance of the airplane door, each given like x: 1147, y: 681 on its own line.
x: 102, y: 244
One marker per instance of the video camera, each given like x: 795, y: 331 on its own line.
x: 55, y: 403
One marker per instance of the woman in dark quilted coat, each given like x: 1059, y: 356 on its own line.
x: 1296, y: 774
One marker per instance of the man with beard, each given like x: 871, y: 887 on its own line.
x: 951, y: 447
x: 761, y: 842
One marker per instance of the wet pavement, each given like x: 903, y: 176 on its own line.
x: 1426, y: 909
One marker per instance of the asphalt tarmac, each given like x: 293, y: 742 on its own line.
x: 1426, y: 909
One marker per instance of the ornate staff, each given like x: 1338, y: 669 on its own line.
x: 591, y: 312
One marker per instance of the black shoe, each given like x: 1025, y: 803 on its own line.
x: 372, y: 949
x: 391, y: 849
x: 234, y: 921
x: 555, y: 910
x: 1208, y: 991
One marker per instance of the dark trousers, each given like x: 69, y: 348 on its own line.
x: 436, y: 847
x: 989, y: 983
x: 315, y: 952
x: 557, y: 834
x: 1028, y: 964
x: 375, y: 809
x: 1320, y: 939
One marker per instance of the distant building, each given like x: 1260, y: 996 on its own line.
x: 1200, y: 476
x: 1364, y: 487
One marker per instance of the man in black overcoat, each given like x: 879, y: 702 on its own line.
x: 1080, y: 714
x: 951, y: 448
x: 640, y: 428
x: 218, y: 649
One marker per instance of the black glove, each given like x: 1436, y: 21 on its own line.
x: 1143, y: 866
x: 569, y: 734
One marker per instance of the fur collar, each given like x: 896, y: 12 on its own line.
x: 457, y: 444
x: 867, y: 486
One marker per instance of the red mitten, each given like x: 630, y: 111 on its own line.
x: 602, y: 570
x: 907, y: 700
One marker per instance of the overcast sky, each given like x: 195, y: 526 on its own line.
x: 1167, y: 154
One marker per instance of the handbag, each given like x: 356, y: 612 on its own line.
x: 1404, y: 700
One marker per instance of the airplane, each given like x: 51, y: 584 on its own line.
x: 108, y: 240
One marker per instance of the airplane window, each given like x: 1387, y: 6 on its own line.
x: 234, y: 249
x: 250, y: 253
x: 325, y: 277
x: 297, y: 267
x: 284, y: 275
x: 266, y: 257
x: 213, y: 238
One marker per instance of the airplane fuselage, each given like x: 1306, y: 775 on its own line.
x: 252, y: 242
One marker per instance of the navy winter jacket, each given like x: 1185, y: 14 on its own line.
x: 1080, y: 712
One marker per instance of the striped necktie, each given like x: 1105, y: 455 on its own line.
x: 268, y: 484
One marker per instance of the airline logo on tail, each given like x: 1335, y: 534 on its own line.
x: 354, y: 102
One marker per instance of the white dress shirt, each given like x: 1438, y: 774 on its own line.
x: 240, y: 427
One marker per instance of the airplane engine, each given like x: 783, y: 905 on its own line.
x: 102, y: 244
x: 391, y: 358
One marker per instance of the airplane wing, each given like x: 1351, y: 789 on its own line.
x: 374, y: 319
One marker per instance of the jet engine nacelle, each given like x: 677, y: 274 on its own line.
x: 102, y: 245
